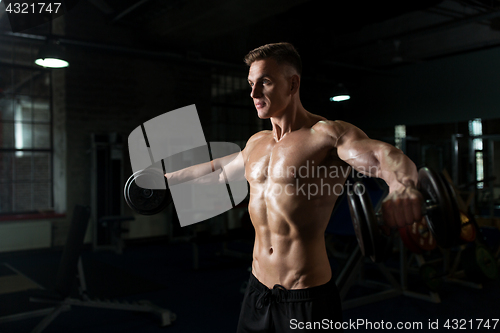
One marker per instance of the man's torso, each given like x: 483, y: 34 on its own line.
x: 294, y: 184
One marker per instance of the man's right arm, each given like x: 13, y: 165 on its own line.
x: 229, y: 165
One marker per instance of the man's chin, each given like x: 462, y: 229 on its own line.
x: 263, y: 114
x: 266, y: 116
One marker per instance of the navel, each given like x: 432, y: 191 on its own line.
x: 270, y: 250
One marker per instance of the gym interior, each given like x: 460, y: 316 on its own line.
x: 74, y: 257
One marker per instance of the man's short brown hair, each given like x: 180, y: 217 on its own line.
x: 283, y: 53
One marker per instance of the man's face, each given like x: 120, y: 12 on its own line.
x: 271, y: 87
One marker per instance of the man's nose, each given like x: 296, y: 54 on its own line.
x: 256, y: 91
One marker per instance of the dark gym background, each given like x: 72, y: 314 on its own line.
x: 432, y: 66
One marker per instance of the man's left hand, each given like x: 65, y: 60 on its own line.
x: 402, y: 206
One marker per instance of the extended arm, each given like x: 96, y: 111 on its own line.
x: 375, y: 158
x: 229, y: 167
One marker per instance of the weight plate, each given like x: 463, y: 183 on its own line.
x: 444, y: 220
x: 377, y: 240
x: 146, y: 201
x: 359, y: 224
x: 374, y: 243
x: 430, y: 277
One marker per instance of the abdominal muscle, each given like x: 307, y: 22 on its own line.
x: 289, y: 244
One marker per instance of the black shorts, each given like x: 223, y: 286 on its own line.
x: 281, y: 310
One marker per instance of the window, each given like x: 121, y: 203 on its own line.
x: 476, y: 129
x: 25, y: 132
x: 399, y: 135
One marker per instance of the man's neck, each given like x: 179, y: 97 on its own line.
x: 291, y: 119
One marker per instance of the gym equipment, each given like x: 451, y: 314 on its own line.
x: 440, y: 211
x: 355, y: 267
x: 353, y: 274
x: 148, y: 200
x: 355, y: 271
x: 106, y: 185
x: 479, y: 264
x: 364, y: 222
x: 70, y: 273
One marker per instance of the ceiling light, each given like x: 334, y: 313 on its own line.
x: 340, y: 94
x: 340, y: 98
x: 51, y: 55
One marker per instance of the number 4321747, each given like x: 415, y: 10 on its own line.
x: 32, y: 8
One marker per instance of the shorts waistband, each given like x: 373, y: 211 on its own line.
x: 292, y: 294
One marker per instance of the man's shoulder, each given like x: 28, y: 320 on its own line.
x: 256, y: 138
x: 332, y: 127
x: 339, y: 131
x: 259, y: 135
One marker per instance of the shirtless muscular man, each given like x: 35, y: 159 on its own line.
x: 291, y: 277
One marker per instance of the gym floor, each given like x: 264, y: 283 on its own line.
x: 205, y: 300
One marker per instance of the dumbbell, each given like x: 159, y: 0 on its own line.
x: 153, y: 194
x: 440, y: 211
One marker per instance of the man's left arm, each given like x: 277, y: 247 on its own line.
x: 378, y: 159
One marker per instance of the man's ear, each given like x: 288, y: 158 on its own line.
x: 295, y: 84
